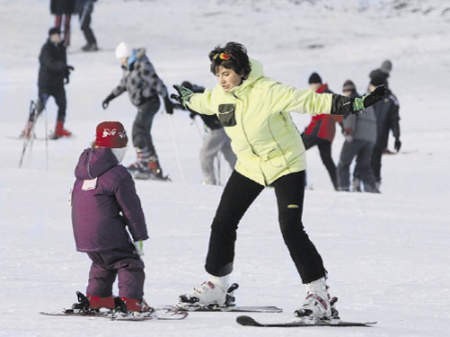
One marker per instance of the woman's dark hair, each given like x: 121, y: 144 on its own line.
x: 232, y: 56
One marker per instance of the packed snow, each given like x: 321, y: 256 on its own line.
x: 387, y: 255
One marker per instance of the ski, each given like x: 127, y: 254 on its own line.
x: 250, y: 321
x: 188, y: 303
x: 237, y: 308
x: 157, y: 314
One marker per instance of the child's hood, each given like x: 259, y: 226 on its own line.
x: 94, y: 162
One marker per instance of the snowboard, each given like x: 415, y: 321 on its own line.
x: 250, y: 321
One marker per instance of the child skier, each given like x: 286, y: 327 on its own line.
x: 144, y: 87
x: 104, y: 206
x: 254, y: 111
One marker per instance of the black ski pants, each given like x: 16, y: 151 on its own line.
x: 376, y: 162
x: 238, y: 194
x: 141, y: 132
x: 85, y: 22
x: 325, y: 154
x: 59, y: 94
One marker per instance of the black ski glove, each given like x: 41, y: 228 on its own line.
x: 342, y: 105
x: 397, y: 144
x: 184, y: 95
x: 106, y: 101
x: 168, y: 105
x: 67, y: 71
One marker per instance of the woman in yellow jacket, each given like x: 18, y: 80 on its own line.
x: 254, y: 111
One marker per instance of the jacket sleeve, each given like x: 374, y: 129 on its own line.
x: 394, y: 118
x: 121, y: 87
x: 130, y: 205
x: 287, y: 98
x: 48, y: 62
x: 202, y: 103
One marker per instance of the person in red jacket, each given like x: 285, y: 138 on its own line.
x: 321, y: 130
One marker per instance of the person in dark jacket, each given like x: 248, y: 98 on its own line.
x: 381, y: 74
x: 214, y: 141
x: 54, y: 73
x: 84, y: 9
x: 321, y: 130
x: 63, y: 10
x: 360, y: 132
x: 144, y: 87
x: 388, y: 119
x: 105, y: 208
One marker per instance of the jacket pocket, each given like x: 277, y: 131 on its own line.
x: 227, y: 115
x: 275, y: 158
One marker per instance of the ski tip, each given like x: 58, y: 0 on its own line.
x: 246, y: 320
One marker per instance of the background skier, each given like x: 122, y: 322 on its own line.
x: 85, y: 9
x: 215, y: 141
x: 321, y: 130
x: 63, y: 10
x: 360, y: 132
x: 143, y: 85
x: 54, y: 73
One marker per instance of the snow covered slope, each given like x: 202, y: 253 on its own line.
x: 387, y: 255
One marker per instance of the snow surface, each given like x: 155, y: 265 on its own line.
x: 387, y: 255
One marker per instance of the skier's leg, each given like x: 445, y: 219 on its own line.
x: 61, y: 102
x: 289, y: 191
x: 209, y: 150
x: 131, y: 274
x: 327, y: 160
x: 376, y: 164
x: 309, y: 141
x: 67, y: 18
x: 147, y: 158
x: 364, y: 163
x: 227, y: 152
x: 101, y: 278
x: 58, y: 21
x: 85, y: 25
x: 237, y: 196
x: 348, y: 152
x: 130, y: 270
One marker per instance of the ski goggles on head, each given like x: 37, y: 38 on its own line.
x: 222, y: 56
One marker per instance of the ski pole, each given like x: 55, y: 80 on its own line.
x: 29, y: 140
x: 46, y: 139
x: 219, y: 173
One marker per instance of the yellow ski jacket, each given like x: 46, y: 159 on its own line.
x: 255, y: 116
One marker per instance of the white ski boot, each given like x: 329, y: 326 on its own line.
x: 214, y: 292
x: 317, y: 304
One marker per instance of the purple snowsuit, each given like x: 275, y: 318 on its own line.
x: 102, y: 211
